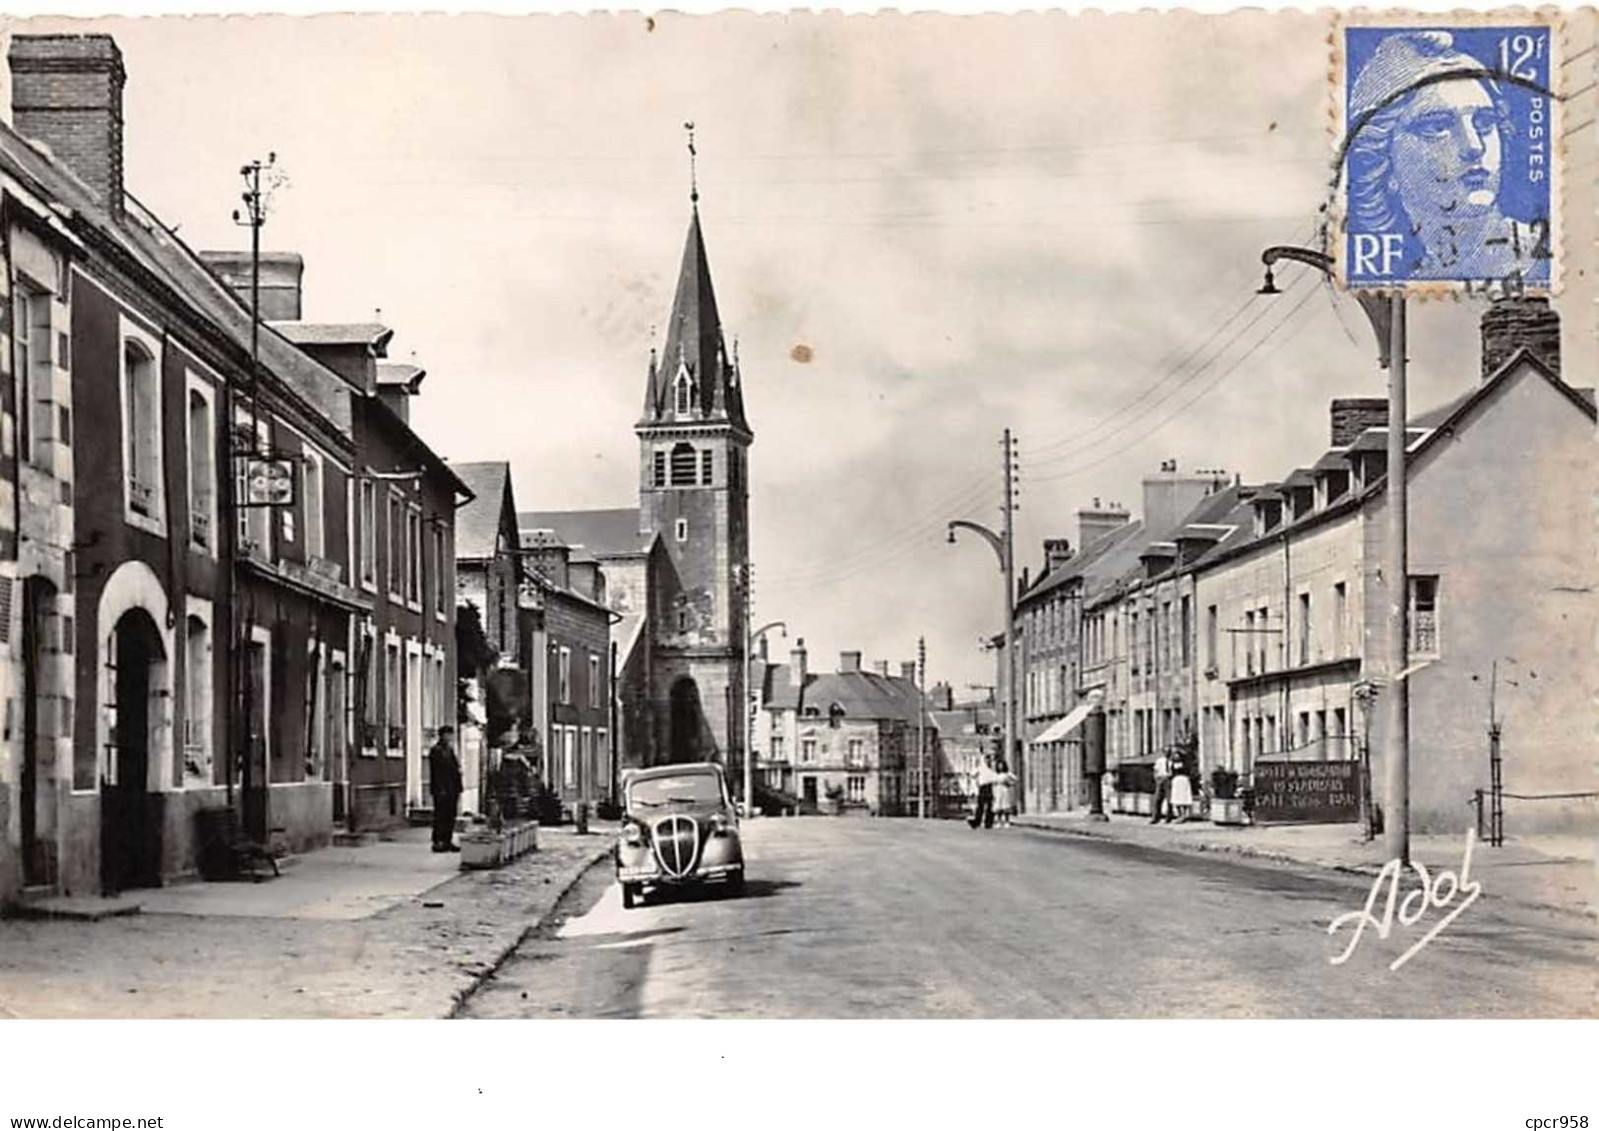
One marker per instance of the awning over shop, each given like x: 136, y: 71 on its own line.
x: 1058, y: 730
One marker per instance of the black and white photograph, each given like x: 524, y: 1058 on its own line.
x: 758, y: 517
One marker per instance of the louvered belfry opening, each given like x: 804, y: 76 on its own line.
x: 684, y: 465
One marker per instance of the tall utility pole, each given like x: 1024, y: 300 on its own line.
x: 1013, y: 752
x: 256, y: 795
x: 745, y: 724
x: 1386, y: 313
x: 1002, y: 545
x: 921, y: 723
x: 1396, y: 704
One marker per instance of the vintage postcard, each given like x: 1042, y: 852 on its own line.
x: 799, y: 516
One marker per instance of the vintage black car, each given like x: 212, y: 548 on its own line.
x: 679, y: 826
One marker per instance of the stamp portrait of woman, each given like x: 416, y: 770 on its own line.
x: 1427, y: 161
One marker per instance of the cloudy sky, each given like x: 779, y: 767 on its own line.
x: 1041, y: 222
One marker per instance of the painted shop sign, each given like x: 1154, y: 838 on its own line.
x: 1307, y: 792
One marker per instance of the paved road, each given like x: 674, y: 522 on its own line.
x: 861, y: 918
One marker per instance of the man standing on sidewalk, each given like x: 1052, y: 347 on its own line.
x: 986, y: 777
x: 445, y: 769
x: 1162, y: 786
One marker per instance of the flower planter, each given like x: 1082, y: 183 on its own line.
x: 482, y: 850
x: 489, y: 849
x: 1227, y: 810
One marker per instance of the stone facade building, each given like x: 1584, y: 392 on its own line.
x: 164, y: 653
x: 844, y: 741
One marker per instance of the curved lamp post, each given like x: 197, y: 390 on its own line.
x: 1387, y: 316
x: 749, y: 721
x: 1001, y: 545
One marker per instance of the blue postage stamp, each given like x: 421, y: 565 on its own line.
x: 1448, y: 158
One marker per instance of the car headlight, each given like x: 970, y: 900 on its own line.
x: 720, y: 824
x: 632, y: 833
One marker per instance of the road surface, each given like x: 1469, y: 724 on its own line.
x: 847, y: 918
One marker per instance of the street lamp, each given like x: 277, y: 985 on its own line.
x: 1001, y: 545
x: 749, y: 723
x: 1387, y: 316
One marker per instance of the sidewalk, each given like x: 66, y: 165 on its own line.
x: 380, y: 931
x: 1546, y: 872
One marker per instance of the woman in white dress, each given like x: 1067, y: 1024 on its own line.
x: 1004, y: 795
x: 1182, y: 796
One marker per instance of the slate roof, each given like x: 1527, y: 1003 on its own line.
x: 477, y: 524
x: 594, y: 533
x: 694, y: 341
x: 151, y: 245
x: 862, y: 694
x: 1088, y: 564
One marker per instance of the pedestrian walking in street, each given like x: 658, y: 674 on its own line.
x: 1162, y: 788
x: 1004, y: 793
x: 986, y: 777
x: 1182, y: 796
x: 445, y: 770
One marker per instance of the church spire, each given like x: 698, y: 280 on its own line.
x: 694, y: 348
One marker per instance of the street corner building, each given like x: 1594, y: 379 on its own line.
x: 677, y: 566
x: 844, y: 742
x: 180, y: 666
x: 1236, y: 625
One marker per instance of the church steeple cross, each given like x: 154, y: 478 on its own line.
x: 693, y: 170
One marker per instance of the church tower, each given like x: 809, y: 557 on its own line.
x: 693, y: 448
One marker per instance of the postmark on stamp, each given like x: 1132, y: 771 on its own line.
x: 1448, y: 153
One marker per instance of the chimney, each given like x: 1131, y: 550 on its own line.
x: 943, y: 696
x: 1057, y: 552
x: 1170, y: 494
x: 796, y: 663
x: 1350, y: 416
x: 764, y: 654
x: 907, y: 670
x: 281, y: 275
x: 66, y: 92
x: 881, y: 667
x: 1097, y: 521
x: 1515, y: 323
x: 849, y: 663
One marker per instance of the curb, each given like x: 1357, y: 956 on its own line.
x: 460, y: 997
x: 1366, y: 871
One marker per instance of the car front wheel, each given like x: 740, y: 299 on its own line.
x: 735, y: 883
x: 630, y: 895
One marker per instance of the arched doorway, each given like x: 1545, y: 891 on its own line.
x: 688, y: 723
x: 130, y: 815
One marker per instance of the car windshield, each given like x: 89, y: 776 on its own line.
x: 681, y: 789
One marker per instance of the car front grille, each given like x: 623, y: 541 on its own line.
x: 677, y: 844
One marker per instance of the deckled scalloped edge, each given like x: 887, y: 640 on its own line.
x: 1334, y: 207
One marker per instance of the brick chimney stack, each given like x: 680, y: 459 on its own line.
x: 1057, y: 552
x: 1350, y: 416
x: 1513, y: 323
x: 849, y: 663
x: 907, y: 670
x: 66, y: 92
x: 796, y: 663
